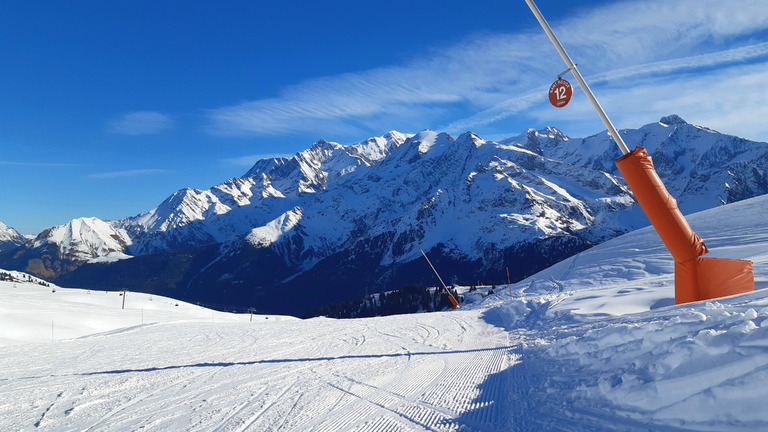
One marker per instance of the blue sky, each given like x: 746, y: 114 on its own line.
x: 108, y: 107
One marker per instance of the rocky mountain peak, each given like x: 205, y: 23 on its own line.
x: 10, y: 238
x: 672, y: 119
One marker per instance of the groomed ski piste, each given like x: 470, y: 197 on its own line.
x: 592, y: 343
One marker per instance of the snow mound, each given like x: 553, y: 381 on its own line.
x: 691, y: 365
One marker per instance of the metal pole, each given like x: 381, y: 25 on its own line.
x: 450, y: 296
x: 572, y: 67
x: 436, y: 273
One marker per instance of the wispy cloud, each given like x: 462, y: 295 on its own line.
x: 37, y: 164
x: 730, y: 56
x: 496, y: 76
x: 127, y: 173
x: 725, y: 100
x: 653, y: 79
x: 140, y: 123
x: 250, y: 160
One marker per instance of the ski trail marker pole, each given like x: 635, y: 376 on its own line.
x: 572, y: 67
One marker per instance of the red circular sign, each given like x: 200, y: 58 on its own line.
x: 560, y: 93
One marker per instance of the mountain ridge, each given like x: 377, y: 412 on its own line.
x: 353, y: 218
x: 11, y: 239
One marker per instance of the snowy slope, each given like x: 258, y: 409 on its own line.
x: 33, y: 313
x: 590, y: 344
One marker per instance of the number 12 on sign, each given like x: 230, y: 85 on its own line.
x: 560, y: 93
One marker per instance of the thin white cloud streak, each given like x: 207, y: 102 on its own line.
x: 461, y: 75
x: 630, y: 33
x: 38, y: 164
x: 735, y: 55
x: 725, y: 100
x: 250, y: 160
x: 482, y: 73
x: 619, y: 77
x: 127, y: 173
x: 730, y: 100
x: 140, y: 123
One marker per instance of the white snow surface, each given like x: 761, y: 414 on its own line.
x: 271, y: 232
x: 593, y: 343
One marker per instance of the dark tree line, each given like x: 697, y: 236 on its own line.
x: 7, y: 277
x: 409, y: 299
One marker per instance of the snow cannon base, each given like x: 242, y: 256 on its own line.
x: 453, y: 301
x: 708, y: 278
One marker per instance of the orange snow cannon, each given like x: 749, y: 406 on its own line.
x: 453, y: 301
x: 696, y: 278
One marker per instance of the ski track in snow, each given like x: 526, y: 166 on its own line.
x: 392, y: 373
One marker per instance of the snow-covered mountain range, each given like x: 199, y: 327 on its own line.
x: 335, y: 222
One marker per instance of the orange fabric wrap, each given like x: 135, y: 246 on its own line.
x: 637, y: 169
x: 696, y: 278
x: 707, y: 278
